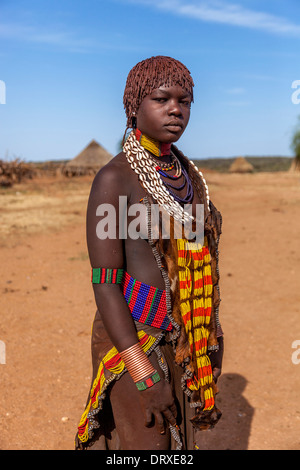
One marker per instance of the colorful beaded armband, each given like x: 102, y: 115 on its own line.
x: 146, y: 303
x: 148, y: 382
x: 107, y: 275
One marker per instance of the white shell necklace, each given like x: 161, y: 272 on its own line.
x: 150, y: 179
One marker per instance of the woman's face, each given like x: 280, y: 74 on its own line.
x: 164, y: 114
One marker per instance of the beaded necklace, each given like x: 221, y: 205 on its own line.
x: 169, y: 166
x: 158, y: 149
x: 151, y: 180
x: 186, y: 182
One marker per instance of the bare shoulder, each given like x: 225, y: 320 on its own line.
x: 113, y: 176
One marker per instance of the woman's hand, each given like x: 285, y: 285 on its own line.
x: 158, y: 402
x: 216, y: 358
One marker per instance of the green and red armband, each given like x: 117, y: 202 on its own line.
x: 148, y: 381
x: 107, y: 275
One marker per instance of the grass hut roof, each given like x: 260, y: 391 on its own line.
x: 92, y: 156
x: 241, y: 165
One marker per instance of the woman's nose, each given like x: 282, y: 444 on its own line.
x: 175, y: 108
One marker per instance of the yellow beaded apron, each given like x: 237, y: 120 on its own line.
x: 190, y: 287
x: 195, y: 293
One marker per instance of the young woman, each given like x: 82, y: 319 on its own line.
x: 156, y: 342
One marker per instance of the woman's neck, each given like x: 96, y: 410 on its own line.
x: 157, y: 148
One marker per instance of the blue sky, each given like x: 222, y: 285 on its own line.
x: 65, y: 63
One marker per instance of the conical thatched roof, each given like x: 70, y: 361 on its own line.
x: 89, y: 161
x: 93, y: 155
x: 240, y: 165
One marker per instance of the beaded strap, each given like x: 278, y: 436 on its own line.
x: 148, y: 381
x: 107, y: 275
x: 147, y: 304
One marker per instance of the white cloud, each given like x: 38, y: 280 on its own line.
x: 223, y: 12
x: 236, y: 91
x: 65, y: 39
x: 235, y: 103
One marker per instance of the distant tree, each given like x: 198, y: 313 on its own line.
x: 295, y: 145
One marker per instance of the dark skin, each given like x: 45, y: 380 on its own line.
x: 162, y: 115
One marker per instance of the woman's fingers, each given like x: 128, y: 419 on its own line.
x: 164, y: 416
x: 160, y: 423
x: 148, y: 417
x: 173, y: 408
x: 169, y: 415
x: 216, y: 373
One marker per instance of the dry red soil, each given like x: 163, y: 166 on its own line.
x: 47, y: 308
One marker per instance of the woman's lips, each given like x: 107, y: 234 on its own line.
x: 174, y: 126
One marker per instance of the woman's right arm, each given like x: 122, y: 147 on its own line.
x: 109, y: 184
x: 108, y: 252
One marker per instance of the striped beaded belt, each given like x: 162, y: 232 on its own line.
x: 147, y: 304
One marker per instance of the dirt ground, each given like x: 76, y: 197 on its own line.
x: 47, y: 308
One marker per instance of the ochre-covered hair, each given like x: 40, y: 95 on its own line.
x: 152, y: 73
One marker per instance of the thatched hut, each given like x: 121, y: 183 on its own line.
x: 89, y: 161
x: 241, y: 165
